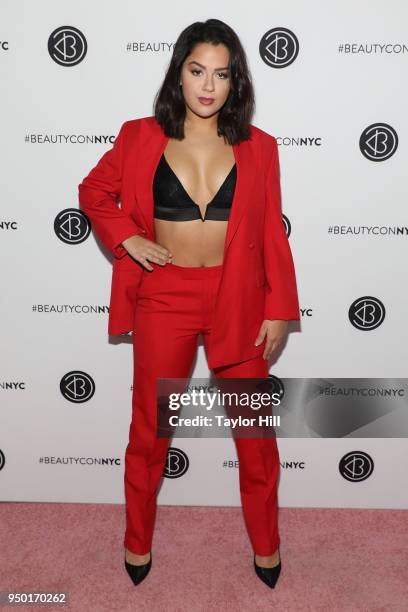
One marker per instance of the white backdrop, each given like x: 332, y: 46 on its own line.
x: 62, y: 106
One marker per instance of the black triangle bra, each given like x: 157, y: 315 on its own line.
x: 173, y: 203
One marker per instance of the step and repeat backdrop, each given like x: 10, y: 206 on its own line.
x: 330, y: 85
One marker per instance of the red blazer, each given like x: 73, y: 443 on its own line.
x: 258, y: 279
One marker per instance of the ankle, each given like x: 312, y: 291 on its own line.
x: 135, y: 558
x: 268, y: 560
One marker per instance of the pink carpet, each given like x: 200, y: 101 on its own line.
x: 332, y: 560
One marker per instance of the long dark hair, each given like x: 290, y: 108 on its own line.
x: 235, y: 115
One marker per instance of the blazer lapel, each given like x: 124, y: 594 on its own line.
x: 146, y: 163
x: 242, y: 193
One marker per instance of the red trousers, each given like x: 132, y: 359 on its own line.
x: 175, y: 304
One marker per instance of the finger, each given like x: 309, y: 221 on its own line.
x: 275, y: 344
x: 260, y: 337
x: 159, y: 259
x: 269, y: 348
x: 158, y: 256
x: 145, y: 263
x: 161, y: 250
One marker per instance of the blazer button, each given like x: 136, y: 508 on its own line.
x: 251, y: 245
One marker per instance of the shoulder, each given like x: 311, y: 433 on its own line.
x: 265, y: 143
x: 140, y: 124
x: 138, y: 131
x: 265, y: 139
x: 149, y: 121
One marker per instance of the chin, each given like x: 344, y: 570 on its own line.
x: 205, y: 111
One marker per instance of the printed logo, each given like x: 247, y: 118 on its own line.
x: 276, y: 385
x: 177, y: 463
x: 279, y: 47
x: 77, y: 386
x: 356, y: 466
x: 366, y: 313
x: 378, y: 142
x: 67, y: 46
x: 286, y: 223
x: 72, y: 226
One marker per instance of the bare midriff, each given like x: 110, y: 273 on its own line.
x: 196, y: 243
x: 192, y: 243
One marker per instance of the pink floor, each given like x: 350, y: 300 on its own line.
x: 332, y: 560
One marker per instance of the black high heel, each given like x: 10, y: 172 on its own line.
x: 138, y: 572
x: 268, y: 575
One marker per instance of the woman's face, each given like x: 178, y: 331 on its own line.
x: 205, y: 74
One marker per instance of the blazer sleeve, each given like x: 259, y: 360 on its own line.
x: 98, y: 193
x: 281, y: 298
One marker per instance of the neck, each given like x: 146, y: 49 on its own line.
x: 200, y: 126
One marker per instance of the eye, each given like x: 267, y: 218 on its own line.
x: 195, y: 70
x: 224, y: 75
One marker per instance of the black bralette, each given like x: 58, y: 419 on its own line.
x: 172, y: 202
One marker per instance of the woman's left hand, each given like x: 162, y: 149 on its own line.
x: 275, y: 333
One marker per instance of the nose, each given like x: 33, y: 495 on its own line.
x: 209, y: 83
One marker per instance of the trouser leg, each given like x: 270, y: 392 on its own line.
x: 258, y: 471
x: 164, y: 346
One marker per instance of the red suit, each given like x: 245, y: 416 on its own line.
x: 226, y: 304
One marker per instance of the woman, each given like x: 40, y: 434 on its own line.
x: 203, y: 183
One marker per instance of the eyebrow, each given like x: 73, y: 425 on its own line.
x: 201, y: 65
